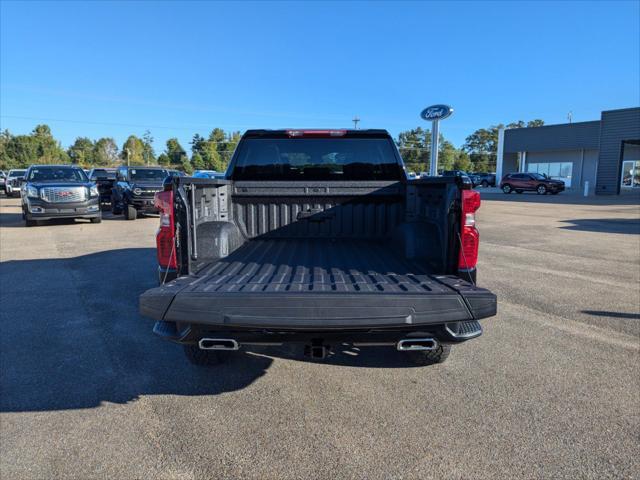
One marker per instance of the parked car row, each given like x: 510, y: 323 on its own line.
x: 67, y: 191
x: 477, y: 179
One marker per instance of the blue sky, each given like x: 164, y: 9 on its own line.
x: 111, y: 69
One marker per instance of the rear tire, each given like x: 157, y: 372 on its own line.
x: 542, y: 190
x: 114, y: 207
x: 507, y: 189
x: 204, y: 358
x: 130, y: 213
x: 431, y: 357
x: 484, y: 184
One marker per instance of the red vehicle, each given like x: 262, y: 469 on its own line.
x: 533, y: 182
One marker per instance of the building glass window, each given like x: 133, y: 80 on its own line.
x: 630, y: 174
x: 556, y: 170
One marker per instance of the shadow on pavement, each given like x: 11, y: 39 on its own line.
x: 605, y: 225
x: 603, y: 313
x: 71, y: 337
x: 11, y: 220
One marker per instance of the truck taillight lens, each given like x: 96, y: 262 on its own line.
x: 165, y: 238
x: 469, y: 235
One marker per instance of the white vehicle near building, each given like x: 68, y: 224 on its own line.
x: 12, y: 183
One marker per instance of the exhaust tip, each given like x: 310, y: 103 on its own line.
x: 218, y: 344
x: 413, y: 344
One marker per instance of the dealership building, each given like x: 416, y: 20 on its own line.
x: 605, y: 153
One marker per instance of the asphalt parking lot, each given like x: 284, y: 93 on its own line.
x: 552, y: 389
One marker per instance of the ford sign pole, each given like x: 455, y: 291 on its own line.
x: 435, y: 143
x: 435, y: 113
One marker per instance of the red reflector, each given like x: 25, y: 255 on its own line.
x: 316, y: 133
x: 468, y: 257
x: 165, y: 238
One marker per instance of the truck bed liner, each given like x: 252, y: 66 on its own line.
x: 316, y: 283
x: 320, y: 265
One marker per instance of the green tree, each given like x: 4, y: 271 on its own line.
x: 186, y: 166
x: 414, y: 149
x: 229, y: 147
x: 198, y: 143
x: 82, y: 152
x: 462, y: 161
x: 105, y: 152
x: 148, y: 155
x: 482, y: 145
x: 48, y: 149
x: 163, y: 160
x: 447, y: 154
x: 216, y: 150
x: 6, y: 162
x: 21, y: 151
x: 535, y: 123
x: 212, y: 158
x: 39, y: 147
x: 133, y: 151
x: 197, y: 161
x: 175, y: 152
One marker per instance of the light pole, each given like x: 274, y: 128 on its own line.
x: 355, y: 122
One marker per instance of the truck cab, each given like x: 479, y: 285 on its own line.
x: 317, y: 237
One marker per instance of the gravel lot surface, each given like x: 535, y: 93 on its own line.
x: 551, y: 390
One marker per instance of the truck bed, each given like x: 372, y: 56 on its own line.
x: 316, y: 284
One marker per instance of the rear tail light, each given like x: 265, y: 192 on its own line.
x: 165, y: 238
x: 469, y: 235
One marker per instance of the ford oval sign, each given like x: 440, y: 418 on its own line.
x: 436, y: 112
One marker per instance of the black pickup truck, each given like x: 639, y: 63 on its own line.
x: 317, y: 237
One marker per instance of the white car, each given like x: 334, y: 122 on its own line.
x: 12, y: 183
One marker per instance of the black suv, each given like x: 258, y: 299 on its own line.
x: 134, y: 189
x: 59, y: 191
